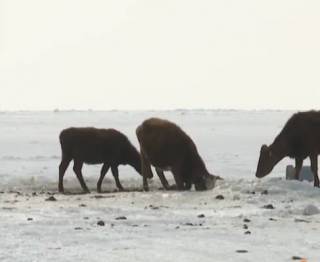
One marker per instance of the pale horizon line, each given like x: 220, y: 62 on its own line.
x: 57, y: 110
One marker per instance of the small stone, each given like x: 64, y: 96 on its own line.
x: 78, y: 228
x: 297, y: 258
x: 105, y: 196
x: 264, y: 192
x: 245, y: 226
x: 98, y: 196
x: 86, y: 218
x: 29, y: 218
x: 246, y: 220
x: 8, y: 208
x: 100, y: 223
x: 51, y: 198
x: 242, y: 251
x: 298, y: 220
x: 220, y: 197
x: 272, y: 219
x: 188, y: 224
x: 270, y: 206
x: 247, y: 233
x: 201, y: 216
x: 121, y: 218
x: 82, y: 205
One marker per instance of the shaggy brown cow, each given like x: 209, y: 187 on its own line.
x: 96, y: 146
x: 167, y: 147
x: 299, y: 139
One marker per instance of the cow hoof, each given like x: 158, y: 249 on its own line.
x: 172, y: 187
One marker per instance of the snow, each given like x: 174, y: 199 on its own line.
x: 159, y: 225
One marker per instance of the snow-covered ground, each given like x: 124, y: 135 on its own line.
x: 268, y: 220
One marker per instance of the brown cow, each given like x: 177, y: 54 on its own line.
x: 167, y: 147
x: 96, y: 146
x: 299, y: 139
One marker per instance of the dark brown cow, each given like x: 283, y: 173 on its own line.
x: 299, y: 139
x: 96, y: 146
x: 167, y: 147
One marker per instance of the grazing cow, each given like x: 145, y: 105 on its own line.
x: 96, y: 146
x: 167, y: 147
x: 299, y: 139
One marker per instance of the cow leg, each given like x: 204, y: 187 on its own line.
x: 178, y: 177
x: 298, y: 167
x: 187, y: 180
x: 77, y: 167
x: 179, y: 182
x: 62, y: 169
x: 103, y: 172
x: 163, y: 179
x: 187, y: 185
x: 115, y: 173
x: 314, y: 168
x: 146, y: 171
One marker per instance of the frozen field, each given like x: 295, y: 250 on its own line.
x: 267, y: 220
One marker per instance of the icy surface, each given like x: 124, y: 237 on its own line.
x: 272, y: 219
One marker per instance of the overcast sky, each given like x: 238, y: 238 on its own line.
x: 144, y: 54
